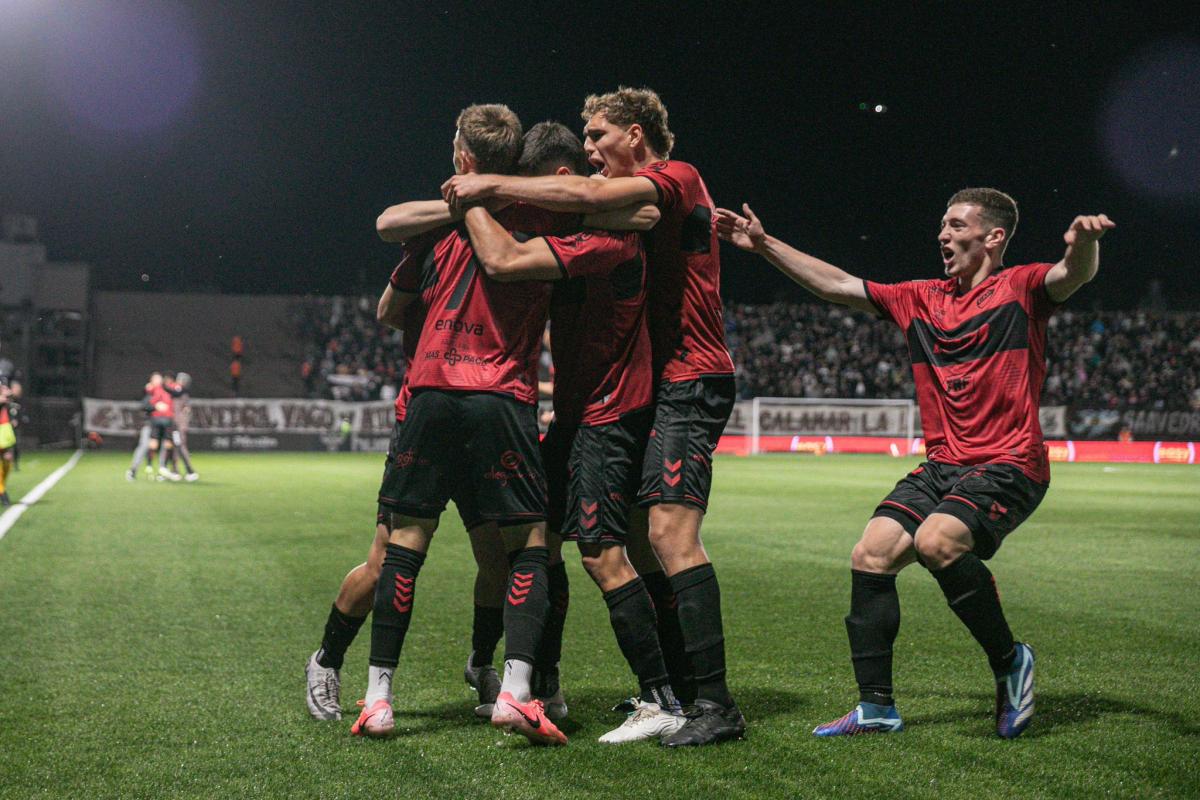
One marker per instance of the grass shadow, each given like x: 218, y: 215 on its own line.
x: 1054, y: 711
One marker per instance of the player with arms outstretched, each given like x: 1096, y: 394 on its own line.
x: 628, y: 140
x: 977, y: 340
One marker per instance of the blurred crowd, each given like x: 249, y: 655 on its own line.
x: 348, y: 355
x: 1103, y: 360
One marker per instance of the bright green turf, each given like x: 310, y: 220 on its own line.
x: 153, y: 638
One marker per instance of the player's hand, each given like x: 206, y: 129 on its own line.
x: 745, y: 232
x: 1087, y: 228
x: 462, y: 190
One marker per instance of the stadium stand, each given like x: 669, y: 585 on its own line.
x: 1112, y: 359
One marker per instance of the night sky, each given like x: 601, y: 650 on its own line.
x: 249, y: 148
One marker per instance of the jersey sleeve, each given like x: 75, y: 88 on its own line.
x: 672, y: 179
x: 894, y: 301
x: 407, y: 275
x: 593, y: 252
x: 1029, y: 282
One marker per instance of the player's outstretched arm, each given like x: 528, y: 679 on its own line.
x: 502, y: 257
x: 1082, y: 259
x: 822, y: 279
x: 401, y: 222
x: 392, y: 303
x: 555, y: 192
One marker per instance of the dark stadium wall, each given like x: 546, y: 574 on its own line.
x: 137, y: 333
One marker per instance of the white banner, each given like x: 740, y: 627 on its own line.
x: 125, y: 417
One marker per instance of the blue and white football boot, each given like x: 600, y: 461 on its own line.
x: 865, y: 718
x: 1014, y: 695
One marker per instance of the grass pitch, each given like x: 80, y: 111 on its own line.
x: 154, y: 637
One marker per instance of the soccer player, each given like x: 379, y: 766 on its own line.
x: 471, y: 422
x: 602, y: 414
x: 628, y: 140
x: 162, y: 419
x: 977, y: 340
x: 356, y: 595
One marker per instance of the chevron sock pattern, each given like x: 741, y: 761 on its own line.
x: 550, y: 650
x: 872, y: 625
x: 526, y: 604
x: 971, y: 592
x: 699, y: 601
x: 670, y: 636
x: 393, y: 604
x: 632, y: 616
x: 340, y: 631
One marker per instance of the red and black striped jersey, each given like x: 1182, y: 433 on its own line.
x: 481, y: 335
x: 598, y: 335
x: 416, y: 263
x: 978, y: 361
x: 687, y: 328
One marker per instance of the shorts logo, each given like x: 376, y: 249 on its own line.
x: 402, y: 600
x: 405, y: 459
x: 996, y: 511
x: 701, y: 460
x: 671, y: 471
x: 587, y: 517
x: 522, y: 583
x: 510, y: 459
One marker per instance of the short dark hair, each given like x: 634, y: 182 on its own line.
x: 626, y: 106
x: 493, y: 135
x: 549, y: 145
x: 996, y: 208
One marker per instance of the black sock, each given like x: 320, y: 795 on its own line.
x: 526, y: 604
x: 971, y: 591
x: 670, y: 636
x: 393, y: 604
x: 632, y: 616
x: 698, y: 598
x: 485, y: 634
x: 872, y: 625
x: 559, y: 588
x: 340, y: 631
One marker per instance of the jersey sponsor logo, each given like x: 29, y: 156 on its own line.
x: 454, y: 358
x: 458, y: 326
x: 957, y: 384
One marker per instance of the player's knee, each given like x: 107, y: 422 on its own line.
x: 867, y: 558
x: 938, y: 551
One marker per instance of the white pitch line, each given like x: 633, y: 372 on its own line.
x: 9, y: 517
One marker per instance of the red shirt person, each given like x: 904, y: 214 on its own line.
x: 977, y: 341
x: 629, y: 142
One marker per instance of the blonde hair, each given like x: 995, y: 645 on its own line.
x: 627, y: 106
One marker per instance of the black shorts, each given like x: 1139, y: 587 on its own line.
x: 160, y: 427
x: 595, y: 470
x: 388, y: 498
x: 468, y: 444
x: 990, y: 499
x: 689, y: 418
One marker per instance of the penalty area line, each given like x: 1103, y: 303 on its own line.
x: 10, y: 517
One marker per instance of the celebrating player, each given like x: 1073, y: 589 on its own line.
x: 602, y: 415
x: 471, y: 422
x: 628, y: 140
x: 977, y: 341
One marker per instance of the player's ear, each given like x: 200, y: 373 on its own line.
x: 635, y: 135
x: 563, y: 170
x: 467, y: 160
x: 997, y: 239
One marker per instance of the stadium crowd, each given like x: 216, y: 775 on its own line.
x: 1105, y: 360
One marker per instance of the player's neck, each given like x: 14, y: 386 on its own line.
x: 968, y: 282
x: 647, y: 158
